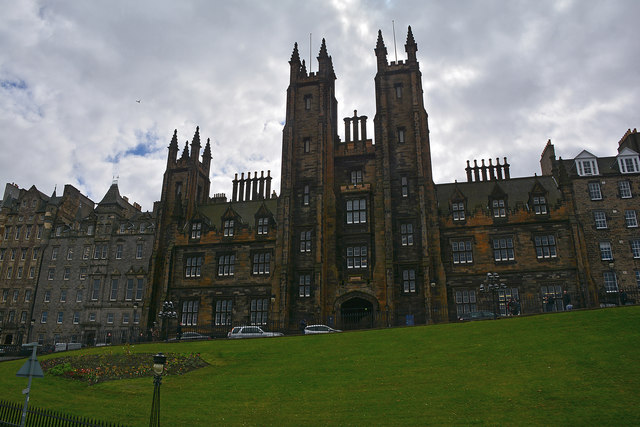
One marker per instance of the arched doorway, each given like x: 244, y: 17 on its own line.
x: 356, y: 313
x: 8, y: 339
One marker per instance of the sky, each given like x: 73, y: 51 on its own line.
x: 500, y: 78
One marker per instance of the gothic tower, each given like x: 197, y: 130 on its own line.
x: 185, y: 186
x: 306, y: 211
x: 413, y: 271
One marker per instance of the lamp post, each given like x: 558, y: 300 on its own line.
x: 493, y: 285
x: 31, y: 323
x: 159, y: 361
x: 133, y: 334
x: 167, y: 312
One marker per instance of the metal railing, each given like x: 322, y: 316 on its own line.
x: 11, y: 415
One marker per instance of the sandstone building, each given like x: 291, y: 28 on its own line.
x: 359, y: 235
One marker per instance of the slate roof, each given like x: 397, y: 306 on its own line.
x: 477, y: 193
x: 246, y: 210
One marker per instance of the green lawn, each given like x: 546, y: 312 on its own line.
x: 577, y: 368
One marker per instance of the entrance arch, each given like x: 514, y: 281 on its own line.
x: 357, y: 313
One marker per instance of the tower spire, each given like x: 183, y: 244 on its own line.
x: 410, y: 47
x: 325, y: 63
x: 174, y: 140
x: 173, y: 149
x: 185, y: 152
x: 195, y: 145
x: 381, y: 51
x: 294, y: 63
x: 206, y: 156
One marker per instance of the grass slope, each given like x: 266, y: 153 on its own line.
x: 567, y: 368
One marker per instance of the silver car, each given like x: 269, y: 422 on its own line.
x: 319, y: 329
x: 251, y: 332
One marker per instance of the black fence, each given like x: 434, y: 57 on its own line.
x: 11, y: 415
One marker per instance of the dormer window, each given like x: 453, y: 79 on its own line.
x: 628, y: 161
x: 263, y: 225
x: 587, y: 167
x: 196, y: 230
x: 629, y: 164
x: 457, y: 209
x: 228, y: 227
x: 540, y: 205
x: 498, y: 208
x: 356, y: 177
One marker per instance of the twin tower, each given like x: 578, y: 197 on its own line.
x: 355, y: 233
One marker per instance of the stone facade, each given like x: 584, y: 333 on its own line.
x: 94, y: 274
x: 26, y: 221
x: 360, y: 236
x: 605, y: 194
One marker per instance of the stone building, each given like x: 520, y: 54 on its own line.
x: 359, y: 236
x: 94, y: 273
x: 26, y: 219
x: 350, y: 240
x: 519, y: 228
x: 605, y: 192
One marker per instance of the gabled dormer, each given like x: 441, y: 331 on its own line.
x: 586, y: 164
x: 628, y: 161
x: 538, y: 199
x: 498, y: 203
x: 198, y: 226
x: 264, y: 221
x: 230, y: 220
x: 458, y: 205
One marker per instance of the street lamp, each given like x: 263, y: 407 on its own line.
x: 159, y: 361
x: 167, y: 312
x: 133, y: 334
x: 493, y: 285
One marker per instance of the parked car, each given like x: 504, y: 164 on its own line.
x: 251, y: 332
x: 193, y: 336
x: 476, y: 315
x: 319, y: 329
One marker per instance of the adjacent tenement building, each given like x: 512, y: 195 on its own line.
x: 94, y: 274
x: 605, y: 192
x: 26, y: 220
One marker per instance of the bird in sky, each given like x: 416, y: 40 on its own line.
x: 138, y: 101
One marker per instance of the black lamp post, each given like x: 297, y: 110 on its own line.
x: 167, y: 312
x: 493, y: 285
x: 133, y: 335
x: 159, y: 361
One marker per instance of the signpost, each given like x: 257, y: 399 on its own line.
x: 31, y: 368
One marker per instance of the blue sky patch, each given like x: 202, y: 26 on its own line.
x: 13, y: 84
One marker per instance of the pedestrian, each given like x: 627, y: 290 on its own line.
x: 566, y: 300
x: 303, y: 325
x: 179, y: 331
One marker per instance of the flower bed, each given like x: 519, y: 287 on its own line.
x: 95, y: 368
